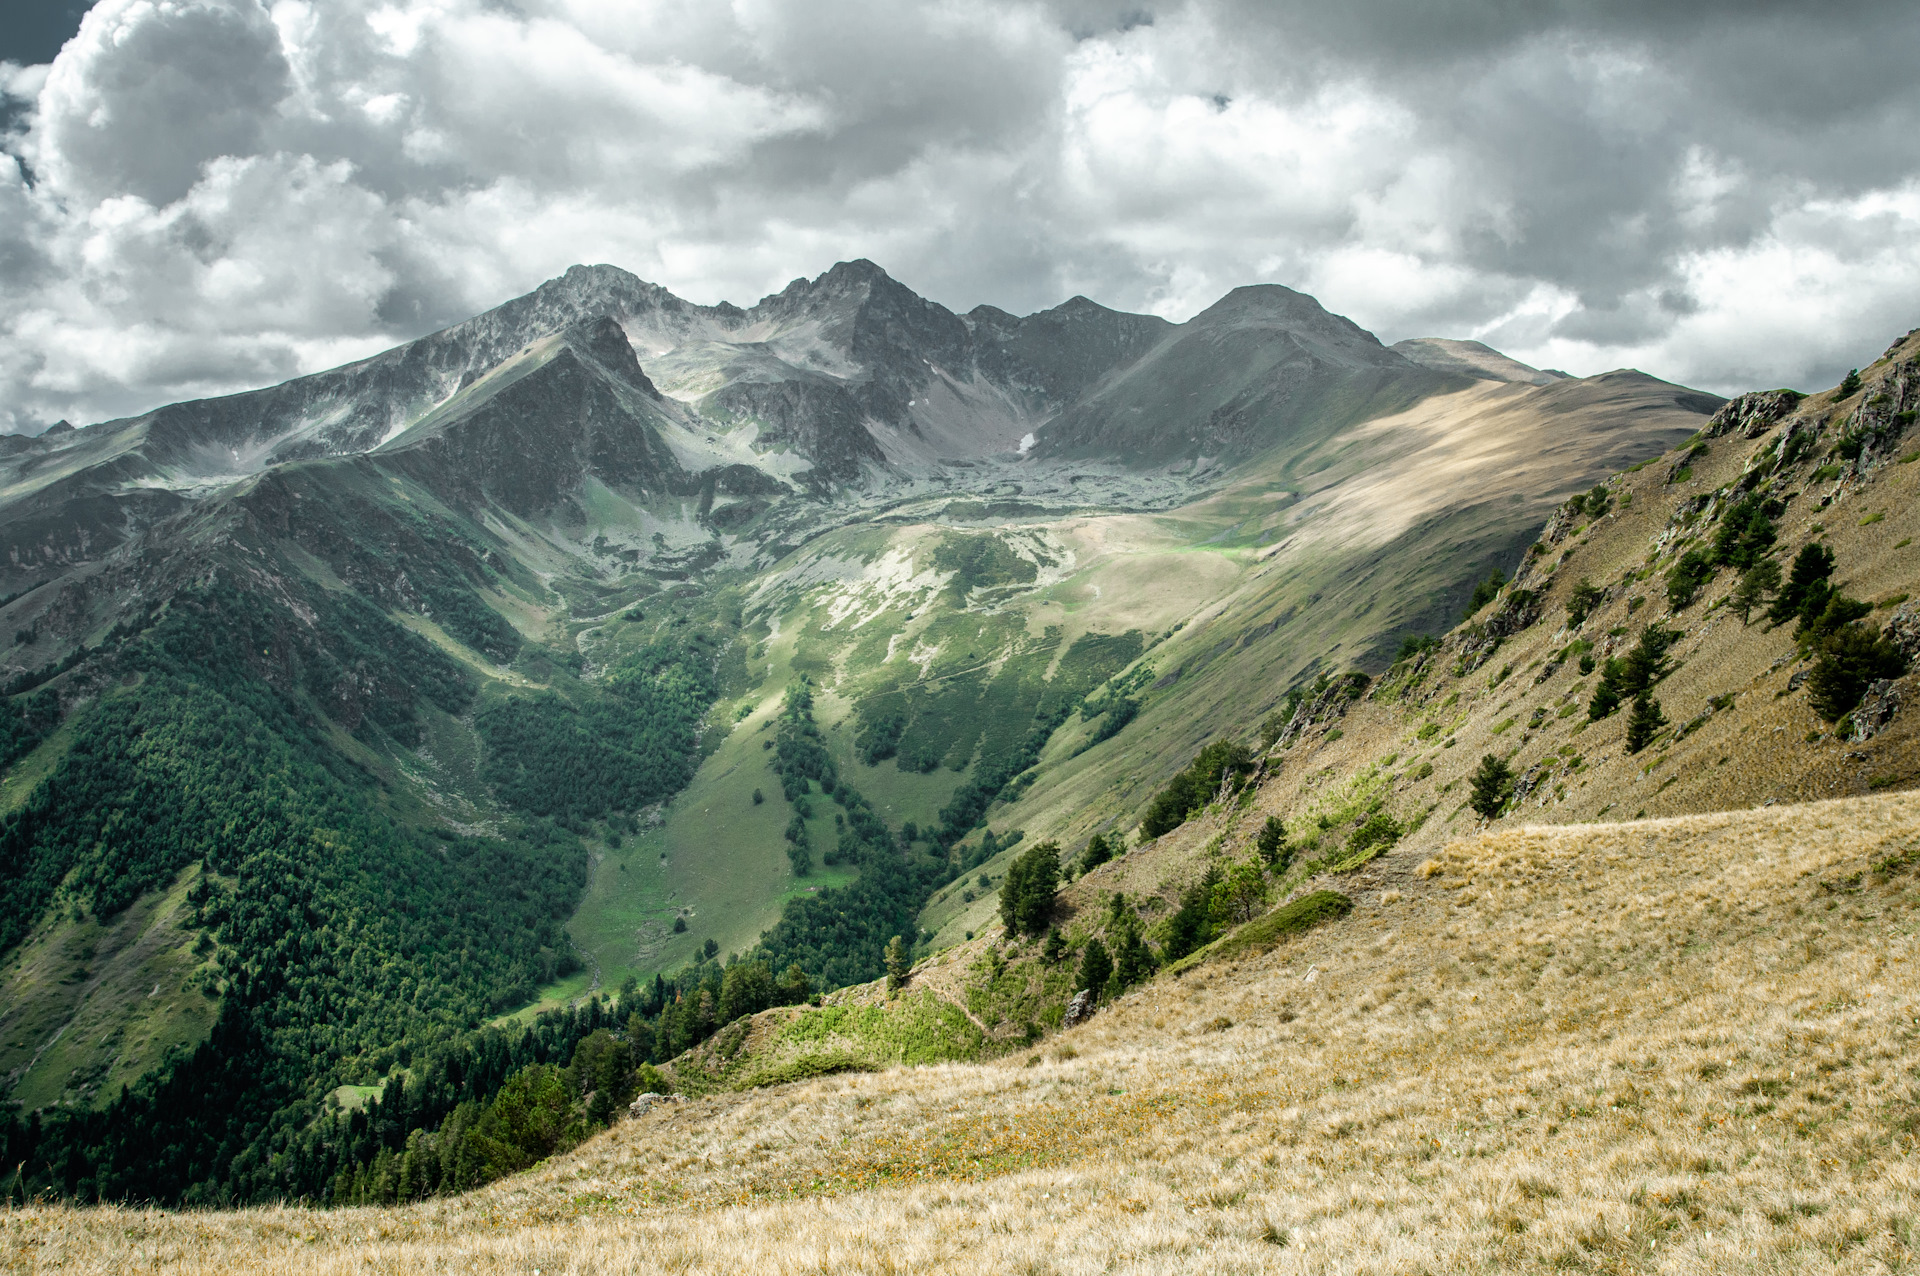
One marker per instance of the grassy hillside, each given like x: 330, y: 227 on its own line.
x: 1670, y: 1043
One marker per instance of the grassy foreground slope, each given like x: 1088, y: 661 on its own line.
x: 1683, y: 1044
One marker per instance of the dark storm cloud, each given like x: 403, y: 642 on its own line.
x: 224, y: 193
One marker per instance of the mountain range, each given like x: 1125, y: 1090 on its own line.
x: 358, y: 718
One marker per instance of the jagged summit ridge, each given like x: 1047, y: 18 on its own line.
x: 851, y: 371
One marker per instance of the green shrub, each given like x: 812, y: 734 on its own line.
x: 1492, y: 784
x: 1380, y: 830
x: 1486, y: 591
x: 1412, y: 647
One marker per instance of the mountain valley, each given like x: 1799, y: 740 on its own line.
x: 405, y: 726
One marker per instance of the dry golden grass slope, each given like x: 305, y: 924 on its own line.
x: 1681, y: 1045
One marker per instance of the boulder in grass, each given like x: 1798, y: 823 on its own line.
x: 1080, y: 1009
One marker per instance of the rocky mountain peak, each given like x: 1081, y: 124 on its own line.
x: 604, y: 340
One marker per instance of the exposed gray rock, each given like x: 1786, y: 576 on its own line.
x: 1477, y: 643
x: 1329, y: 703
x: 642, y: 1104
x: 1753, y: 414
x: 1793, y: 683
x: 1079, y: 1010
x: 1903, y: 630
x: 1519, y: 609
x: 1876, y: 710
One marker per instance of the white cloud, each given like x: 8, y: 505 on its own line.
x: 218, y: 193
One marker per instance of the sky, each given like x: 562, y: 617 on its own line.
x: 199, y: 196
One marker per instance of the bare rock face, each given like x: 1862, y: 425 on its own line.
x: 1876, y: 710
x: 1903, y: 630
x: 1080, y: 1009
x: 1520, y: 609
x: 1753, y: 414
x: 1331, y: 702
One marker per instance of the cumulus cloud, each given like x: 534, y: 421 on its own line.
x: 201, y: 195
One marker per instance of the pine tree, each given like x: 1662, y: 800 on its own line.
x: 1746, y: 534
x: 1492, y: 785
x: 1272, y: 844
x: 1134, y: 961
x: 1191, y: 924
x: 794, y: 987
x: 1849, y: 384
x: 1606, y: 693
x: 1096, y: 967
x: 1581, y: 602
x: 1756, y: 583
x: 1687, y: 578
x: 899, y: 962
x: 1850, y: 659
x: 1643, y: 722
x: 1026, y: 894
x: 1098, y: 852
x: 1056, y: 947
x: 1806, y: 582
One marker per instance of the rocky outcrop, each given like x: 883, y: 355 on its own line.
x: 1876, y: 710
x: 642, y: 1104
x: 1519, y: 609
x: 1903, y: 630
x: 818, y: 418
x: 1874, y: 429
x: 1476, y: 644
x: 1753, y: 414
x: 1079, y: 1010
x: 1329, y: 702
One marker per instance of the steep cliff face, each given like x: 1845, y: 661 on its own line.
x: 580, y: 408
